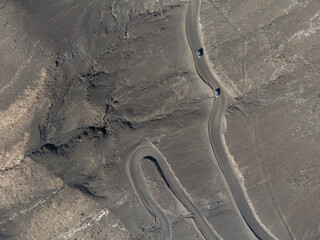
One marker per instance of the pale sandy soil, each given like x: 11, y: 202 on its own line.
x: 267, y: 52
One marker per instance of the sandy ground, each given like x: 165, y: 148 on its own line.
x: 82, y: 83
x: 99, y: 78
x: 270, y: 60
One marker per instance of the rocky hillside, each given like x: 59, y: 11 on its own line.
x: 267, y: 55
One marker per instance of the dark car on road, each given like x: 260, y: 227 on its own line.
x: 217, y: 92
x: 200, y: 53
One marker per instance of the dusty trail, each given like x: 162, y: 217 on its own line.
x: 215, y: 133
x: 148, y: 151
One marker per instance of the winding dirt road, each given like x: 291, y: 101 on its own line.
x: 215, y: 133
x: 147, y: 150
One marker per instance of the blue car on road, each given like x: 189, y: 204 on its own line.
x: 200, y: 53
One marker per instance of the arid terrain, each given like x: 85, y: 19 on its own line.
x: 267, y: 54
x: 85, y: 83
